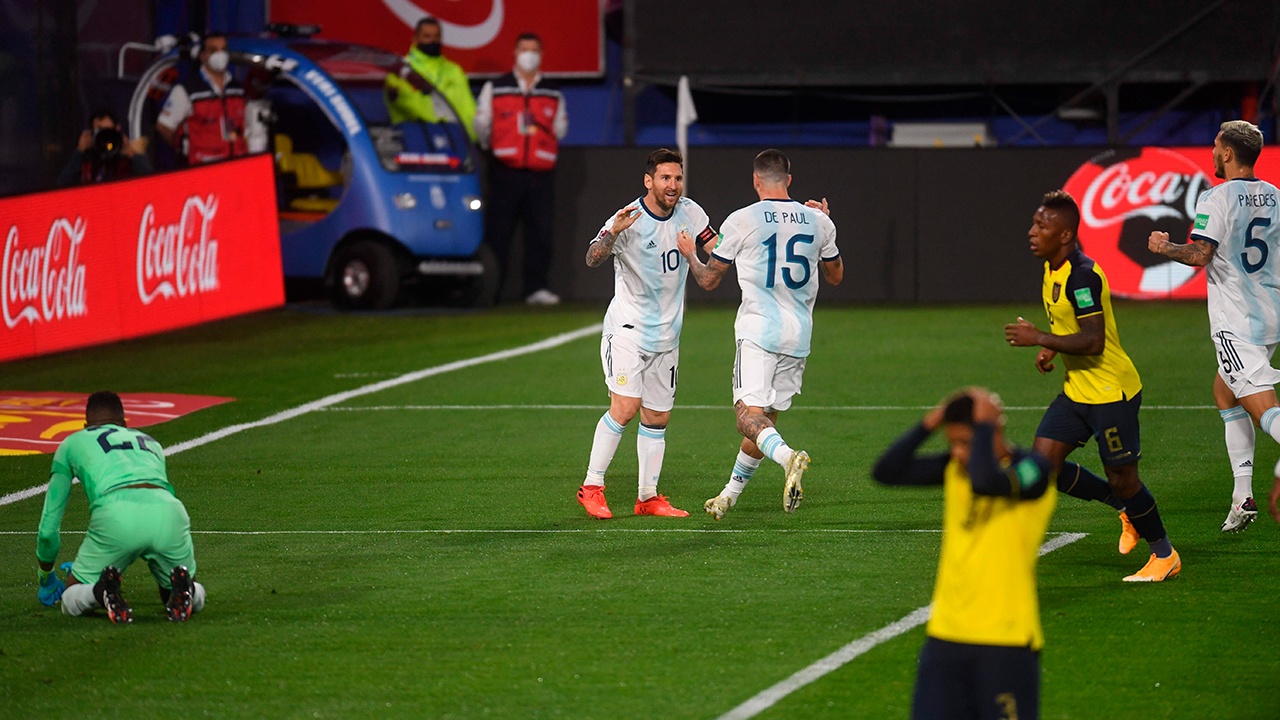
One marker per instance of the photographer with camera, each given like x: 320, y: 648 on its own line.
x: 103, y: 154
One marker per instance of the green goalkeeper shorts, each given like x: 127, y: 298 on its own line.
x: 132, y: 523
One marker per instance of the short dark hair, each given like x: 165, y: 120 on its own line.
x: 103, y: 113
x: 104, y: 402
x: 772, y: 165
x: 1244, y: 138
x: 426, y: 20
x: 1060, y: 201
x: 209, y: 36
x: 660, y: 156
x: 529, y: 36
x: 959, y: 410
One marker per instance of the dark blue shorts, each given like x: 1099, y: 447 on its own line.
x: 976, y: 682
x: 1113, y: 425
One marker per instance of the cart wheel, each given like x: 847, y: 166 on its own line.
x: 365, y: 277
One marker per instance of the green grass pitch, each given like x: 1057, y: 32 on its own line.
x: 389, y: 557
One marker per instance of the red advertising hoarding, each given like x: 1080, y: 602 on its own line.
x: 1127, y: 193
x: 36, y: 422
x: 479, y: 35
x: 119, y: 260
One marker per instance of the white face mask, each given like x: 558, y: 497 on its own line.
x: 529, y: 60
x: 218, y: 60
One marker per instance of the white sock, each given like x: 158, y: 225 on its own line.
x: 743, y: 468
x: 1240, y: 444
x: 197, y: 597
x: 772, y: 444
x: 605, y: 444
x: 651, y: 447
x: 78, y: 599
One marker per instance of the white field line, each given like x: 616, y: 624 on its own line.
x: 837, y: 408
x: 770, y: 696
x: 324, y: 402
x: 574, y: 531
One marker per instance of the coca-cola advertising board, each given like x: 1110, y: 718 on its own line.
x: 479, y: 35
x: 1127, y: 193
x: 119, y: 260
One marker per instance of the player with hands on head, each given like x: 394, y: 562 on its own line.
x: 640, y: 342
x: 133, y: 513
x: 776, y: 244
x: 1102, y: 392
x: 981, y: 656
x: 1236, y: 238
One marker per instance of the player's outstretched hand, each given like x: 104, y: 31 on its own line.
x: 1156, y: 241
x: 821, y: 206
x: 51, y: 587
x: 1022, y: 334
x: 624, y: 218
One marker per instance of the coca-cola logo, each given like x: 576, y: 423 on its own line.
x: 1125, y: 195
x: 179, y: 258
x: 44, y: 282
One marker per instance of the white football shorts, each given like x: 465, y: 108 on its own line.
x: 1244, y: 367
x: 632, y: 372
x: 765, y: 380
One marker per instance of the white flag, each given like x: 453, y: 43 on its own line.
x: 686, y: 115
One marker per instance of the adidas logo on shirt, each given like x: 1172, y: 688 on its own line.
x: 652, y: 244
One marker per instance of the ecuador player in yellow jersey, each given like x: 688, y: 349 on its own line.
x: 982, y: 655
x: 1101, y: 389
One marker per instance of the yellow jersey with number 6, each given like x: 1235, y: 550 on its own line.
x: 1075, y: 290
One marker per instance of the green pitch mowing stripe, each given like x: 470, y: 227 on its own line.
x: 336, y: 398
x: 770, y: 697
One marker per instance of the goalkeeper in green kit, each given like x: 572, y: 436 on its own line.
x: 133, y: 514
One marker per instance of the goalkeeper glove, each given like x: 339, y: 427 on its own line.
x: 51, y: 587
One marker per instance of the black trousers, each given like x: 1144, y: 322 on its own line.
x: 526, y: 197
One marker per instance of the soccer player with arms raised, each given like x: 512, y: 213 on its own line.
x: 981, y: 658
x: 1237, y: 239
x: 640, y: 347
x: 1101, y: 389
x: 777, y: 245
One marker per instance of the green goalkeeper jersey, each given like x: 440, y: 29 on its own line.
x: 104, y: 458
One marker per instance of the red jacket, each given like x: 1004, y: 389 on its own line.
x: 523, y: 133
x: 215, y: 129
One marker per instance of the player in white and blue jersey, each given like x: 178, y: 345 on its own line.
x: 779, y: 246
x: 1236, y: 238
x: 640, y: 345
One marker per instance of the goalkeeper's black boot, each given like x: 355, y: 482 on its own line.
x: 179, y: 603
x: 107, y: 592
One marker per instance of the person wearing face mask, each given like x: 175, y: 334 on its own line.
x: 520, y: 119
x: 204, y: 115
x: 103, y: 154
x: 406, y: 96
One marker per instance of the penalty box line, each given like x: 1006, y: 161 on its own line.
x: 769, y: 697
x: 327, y: 401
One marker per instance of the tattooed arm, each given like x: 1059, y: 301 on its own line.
x: 602, y: 247
x: 1196, y: 253
x: 707, y: 276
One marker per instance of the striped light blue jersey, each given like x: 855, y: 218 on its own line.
x: 1242, y: 219
x: 776, y: 246
x: 649, y: 275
